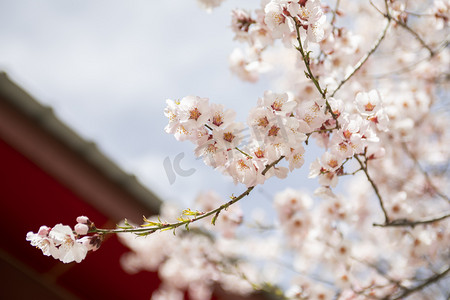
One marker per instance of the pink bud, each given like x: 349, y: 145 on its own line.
x: 81, y: 229
x: 83, y: 220
x: 43, y: 230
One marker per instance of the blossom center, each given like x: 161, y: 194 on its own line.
x: 347, y: 134
x: 242, y: 165
x: 182, y: 130
x: 277, y: 105
x: 278, y: 18
x: 273, y: 131
x: 228, y: 136
x: 298, y: 157
x: 263, y: 122
x: 333, y: 163
x: 217, y: 119
x: 369, y: 107
x: 194, y: 114
x: 211, y: 148
x: 259, y: 153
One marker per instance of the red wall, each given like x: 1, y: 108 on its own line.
x: 29, y: 198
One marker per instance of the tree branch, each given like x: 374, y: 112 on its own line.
x: 309, y: 74
x: 336, y: 7
x: 416, y: 35
x: 306, y: 60
x: 362, y: 61
x: 425, y: 174
x: 408, y: 291
x: 410, y: 223
x: 152, y: 227
x: 375, y: 188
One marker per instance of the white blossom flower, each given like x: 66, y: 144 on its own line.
x: 368, y: 103
x: 211, y: 153
x: 219, y: 117
x: 276, y: 21
x: 295, y: 158
x: 243, y: 170
x: 248, y: 66
x: 241, y: 21
x: 194, y: 112
x: 42, y: 241
x: 312, y: 113
x: 229, y: 137
x: 172, y: 111
x: 69, y: 248
x: 278, y: 102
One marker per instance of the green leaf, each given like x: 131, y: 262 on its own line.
x: 150, y: 223
x: 181, y: 219
x: 214, y: 219
x: 127, y: 225
x: 189, y: 212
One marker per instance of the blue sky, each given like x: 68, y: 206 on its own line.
x: 107, y: 67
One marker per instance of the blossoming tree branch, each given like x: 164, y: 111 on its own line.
x: 364, y: 81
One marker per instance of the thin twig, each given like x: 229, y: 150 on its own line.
x: 199, y: 216
x: 336, y: 7
x: 246, y: 154
x: 388, y: 16
x: 410, y: 223
x: 364, y: 58
x: 418, y: 14
x: 429, y: 281
x: 425, y: 174
x: 416, y: 35
x: 309, y: 74
x: 413, y: 65
x: 305, y: 57
x: 320, y: 131
x: 374, y: 186
x: 268, y: 167
x: 165, y: 226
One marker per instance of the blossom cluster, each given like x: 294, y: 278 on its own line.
x: 276, y: 19
x: 220, y: 140
x: 278, y: 127
x: 65, y: 244
x: 338, y: 236
x: 357, y: 135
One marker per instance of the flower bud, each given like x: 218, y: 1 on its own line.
x: 83, y: 220
x: 81, y: 229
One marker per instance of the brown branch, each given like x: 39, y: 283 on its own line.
x: 425, y: 174
x: 362, y: 61
x: 416, y: 35
x: 412, y: 66
x: 267, y: 168
x: 159, y: 226
x: 375, y: 188
x: 411, y: 223
x: 408, y: 291
x: 388, y: 16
